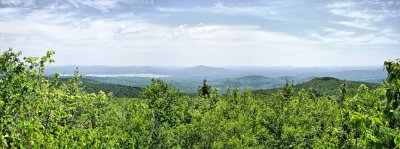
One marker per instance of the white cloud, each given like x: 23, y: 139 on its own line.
x: 347, y: 39
x: 98, y: 41
x: 103, y: 5
x: 341, y: 4
x: 237, y: 10
x: 8, y: 11
x: 17, y: 2
x: 356, y: 24
x: 362, y: 15
x: 220, y: 8
x: 359, y: 15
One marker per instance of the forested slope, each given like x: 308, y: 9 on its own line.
x: 121, y: 91
x: 40, y: 112
x: 321, y: 86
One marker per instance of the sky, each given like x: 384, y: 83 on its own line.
x: 295, y: 33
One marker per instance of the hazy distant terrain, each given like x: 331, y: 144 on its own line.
x: 189, y: 78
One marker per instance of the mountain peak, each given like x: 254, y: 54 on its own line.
x: 202, y: 66
x: 326, y: 79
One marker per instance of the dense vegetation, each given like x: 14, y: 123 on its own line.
x: 121, y: 91
x: 189, y: 84
x: 321, y: 86
x: 40, y: 112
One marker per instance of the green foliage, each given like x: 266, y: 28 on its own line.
x: 288, y: 90
x: 42, y: 112
x: 322, y: 87
x: 343, y: 92
x: 36, y: 112
x: 376, y: 117
x: 120, y: 91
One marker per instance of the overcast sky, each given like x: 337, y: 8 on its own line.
x: 204, y: 32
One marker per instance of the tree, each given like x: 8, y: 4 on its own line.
x: 343, y: 92
x: 205, y: 90
x: 288, y: 90
x: 164, y: 101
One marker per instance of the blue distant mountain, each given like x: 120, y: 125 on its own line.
x: 189, y: 78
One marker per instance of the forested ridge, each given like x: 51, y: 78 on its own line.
x: 41, y: 112
x: 121, y: 91
x: 321, y: 86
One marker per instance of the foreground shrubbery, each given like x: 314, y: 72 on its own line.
x: 37, y: 112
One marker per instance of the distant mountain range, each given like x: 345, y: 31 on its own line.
x: 360, y: 73
x: 189, y: 78
x: 204, y: 71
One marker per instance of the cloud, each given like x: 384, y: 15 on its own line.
x: 347, y: 39
x: 363, y: 14
x: 123, y: 38
x: 220, y: 8
x: 101, y: 5
x: 109, y: 41
x: 341, y: 4
x: 17, y: 2
x: 249, y: 10
x: 8, y: 11
x: 356, y: 24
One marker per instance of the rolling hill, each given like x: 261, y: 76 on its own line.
x: 322, y: 86
x: 261, y: 86
x: 121, y: 91
x: 191, y: 85
x: 197, y: 73
x: 252, y: 82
